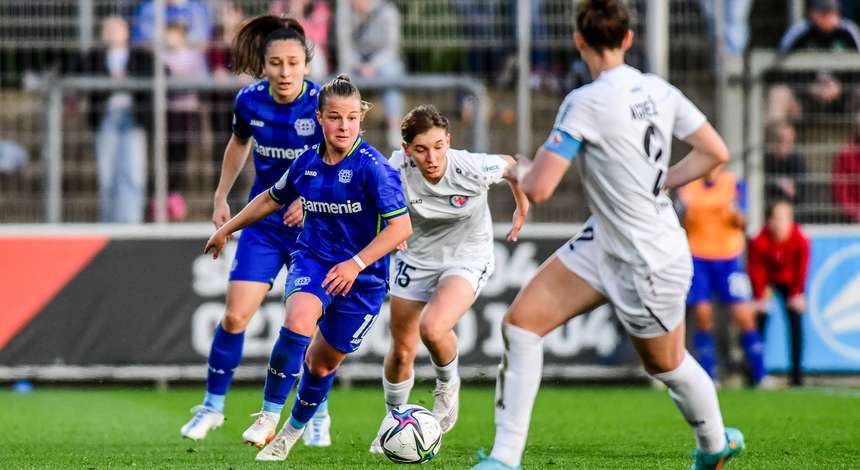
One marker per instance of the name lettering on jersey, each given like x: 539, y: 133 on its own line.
x: 324, y: 207
x: 644, y: 109
x: 278, y: 152
x: 305, y: 127
x: 310, y: 172
x: 344, y: 176
x: 257, y: 123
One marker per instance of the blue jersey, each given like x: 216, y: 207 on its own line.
x: 281, y: 133
x: 346, y: 204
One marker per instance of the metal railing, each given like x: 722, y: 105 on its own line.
x: 55, y: 89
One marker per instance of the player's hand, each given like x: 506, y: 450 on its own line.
x: 403, y: 246
x: 221, y: 213
x: 216, y: 243
x: 797, y: 303
x: 517, y: 221
x: 295, y: 215
x: 340, y: 278
x: 761, y: 306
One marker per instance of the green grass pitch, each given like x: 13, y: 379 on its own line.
x: 572, y: 427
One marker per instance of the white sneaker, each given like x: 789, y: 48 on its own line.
x: 317, y: 431
x: 263, y: 430
x: 280, y: 446
x: 204, y: 420
x: 446, y: 403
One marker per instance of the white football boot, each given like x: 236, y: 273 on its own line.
x: 280, y: 446
x: 446, y: 403
x: 263, y: 430
x: 376, y: 445
x: 204, y: 420
x: 317, y: 431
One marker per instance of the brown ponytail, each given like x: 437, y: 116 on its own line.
x: 253, y: 39
x: 603, y: 23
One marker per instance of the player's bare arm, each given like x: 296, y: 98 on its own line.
x: 542, y: 176
x: 256, y: 210
x: 522, y: 201
x: 235, y: 155
x: 709, y: 151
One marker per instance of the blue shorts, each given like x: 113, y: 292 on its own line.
x: 346, y: 319
x: 726, y: 277
x: 263, y: 250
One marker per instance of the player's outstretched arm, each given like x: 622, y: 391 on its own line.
x: 235, y: 154
x: 522, y: 201
x: 256, y: 210
x: 340, y: 278
x: 708, y: 152
x: 540, y: 178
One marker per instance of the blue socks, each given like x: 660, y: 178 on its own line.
x: 224, y: 357
x: 706, y: 352
x: 285, y: 365
x: 310, y: 396
x: 754, y: 350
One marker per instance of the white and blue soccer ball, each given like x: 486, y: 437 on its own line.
x: 410, y: 434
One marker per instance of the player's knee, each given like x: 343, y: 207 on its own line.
x: 517, y: 318
x: 431, y: 332
x: 401, y: 356
x: 235, y: 321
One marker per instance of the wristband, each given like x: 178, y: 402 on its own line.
x: 359, y: 262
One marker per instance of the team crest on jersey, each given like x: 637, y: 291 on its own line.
x: 344, y: 176
x: 458, y: 200
x: 305, y: 127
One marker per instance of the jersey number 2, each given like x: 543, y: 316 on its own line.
x: 654, y: 150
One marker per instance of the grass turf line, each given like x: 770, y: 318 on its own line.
x: 572, y: 427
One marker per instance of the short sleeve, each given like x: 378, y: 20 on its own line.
x: 396, y: 160
x: 576, y: 119
x: 284, y: 190
x: 383, y: 185
x: 479, y: 170
x: 688, y: 118
x: 240, y: 126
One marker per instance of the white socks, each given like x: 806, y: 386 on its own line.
x: 695, y: 395
x: 449, y: 372
x: 516, y: 388
x: 397, y: 394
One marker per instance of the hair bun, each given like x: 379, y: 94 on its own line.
x: 344, y: 77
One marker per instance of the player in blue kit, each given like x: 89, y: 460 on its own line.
x: 276, y: 119
x: 355, y: 215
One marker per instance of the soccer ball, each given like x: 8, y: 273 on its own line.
x: 410, y: 434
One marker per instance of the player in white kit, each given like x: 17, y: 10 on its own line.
x: 448, y: 258
x: 632, y: 252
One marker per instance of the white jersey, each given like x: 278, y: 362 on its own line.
x: 625, y: 121
x: 450, y: 219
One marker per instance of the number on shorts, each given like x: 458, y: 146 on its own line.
x: 365, y: 326
x: 402, y: 278
x: 586, y: 235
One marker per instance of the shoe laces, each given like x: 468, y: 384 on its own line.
x: 262, y: 417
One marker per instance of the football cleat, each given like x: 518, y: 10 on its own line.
x: 485, y: 462
x: 716, y: 461
x: 263, y: 430
x: 317, y: 431
x: 205, y: 419
x: 446, y: 403
x: 280, y: 446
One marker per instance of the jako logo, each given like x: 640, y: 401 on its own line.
x: 302, y: 281
x: 834, y: 301
x: 348, y: 207
x: 458, y: 201
x: 310, y: 173
x: 277, y: 152
x: 257, y: 123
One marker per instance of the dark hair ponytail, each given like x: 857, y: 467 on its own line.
x: 603, y: 23
x: 341, y: 86
x: 253, y: 39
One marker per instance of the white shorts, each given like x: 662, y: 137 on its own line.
x: 648, y: 303
x: 418, y: 284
